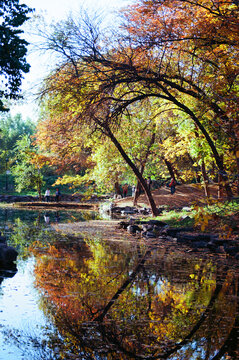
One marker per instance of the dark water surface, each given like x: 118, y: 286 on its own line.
x: 74, y: 297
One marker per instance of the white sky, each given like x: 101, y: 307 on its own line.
x: 54, y: 10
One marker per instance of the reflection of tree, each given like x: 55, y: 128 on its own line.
x: 126, y: 283
x: 230, y: 345
x: 111, y: 299
x: 24, y: 235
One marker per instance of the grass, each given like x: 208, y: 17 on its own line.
x: 220, y: 215
x: 178, y: 218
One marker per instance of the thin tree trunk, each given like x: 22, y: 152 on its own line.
x: 170, y: 168
x: 126, y: 283
x: 220, y: 183
x: 39, y: 192
x: 217, y: 157
x: 137, y: 193
x: 220, y: 188
x: 205, y: 180
x: 136, y: 171
x: 138, y: 187
x: 237, y: 175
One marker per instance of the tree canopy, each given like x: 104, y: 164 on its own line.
x: 182, y: 53
x: 13, y: 48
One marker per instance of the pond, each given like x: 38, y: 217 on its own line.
x: 83, y: 297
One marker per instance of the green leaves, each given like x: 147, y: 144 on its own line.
x: 13, y: 48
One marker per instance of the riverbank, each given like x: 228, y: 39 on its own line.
x: 223, y: 221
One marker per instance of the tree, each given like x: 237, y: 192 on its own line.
x: 28, y: 167
x: 13, y: 48
x: 63, y: 142
x: 12, y: 129
x: 175, y: 63
x: 105, y: 166
x: 196, y: 43
x: 96, y: 119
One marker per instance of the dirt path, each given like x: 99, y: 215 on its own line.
x: 185, y: 195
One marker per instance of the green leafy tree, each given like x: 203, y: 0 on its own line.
x: 13, y: 48
x: 12, y: 129
x: 27, y: 168
x: 137, y: 136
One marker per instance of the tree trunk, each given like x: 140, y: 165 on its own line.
x: 237, y: 175
x: 220, y: 188
x: 136, y: 171
x: 138, y: 186
x: 137, y: 194
x: 170, y: 168
x: 205, y: 180
x: 217, y: 157
x: 39, y: 191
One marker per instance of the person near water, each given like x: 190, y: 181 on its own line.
x: 58, y: 193
x: 172, y: 186
x: 125, y: 190
x: 47, y: 195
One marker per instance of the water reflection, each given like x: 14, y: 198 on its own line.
x: 130, y: 302
x: 103, y: 299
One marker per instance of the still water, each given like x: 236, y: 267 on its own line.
x: 79, y: 297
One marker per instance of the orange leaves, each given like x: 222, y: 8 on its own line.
x: 39, y: 160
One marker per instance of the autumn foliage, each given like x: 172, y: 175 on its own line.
x: 179, y: 56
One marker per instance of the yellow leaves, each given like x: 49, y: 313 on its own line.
x: 202, y: 217
x: 39, y: 160
x: 217, y: 215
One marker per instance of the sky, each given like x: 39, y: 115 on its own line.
x: 53, y: 10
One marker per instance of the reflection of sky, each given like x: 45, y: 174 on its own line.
x: 19, y: 309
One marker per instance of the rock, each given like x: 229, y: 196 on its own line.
x: 211, y: 245
x: 116, y: 209
x: 185, y: 217
x: 7, y: 255
x: 123, y: 225
x: 132, y: 229
x: 128, y: 210
x: 147, y: 227
x: 2, y: 239
x: 199, y: 244
x: 157, y: 229
x: 157, y: 223
x: 232, y: 250
x: 193, y: 237
x: 186, y: 208
x: 144, y: 211
x: 149, y: 234
x: 174, y: 231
